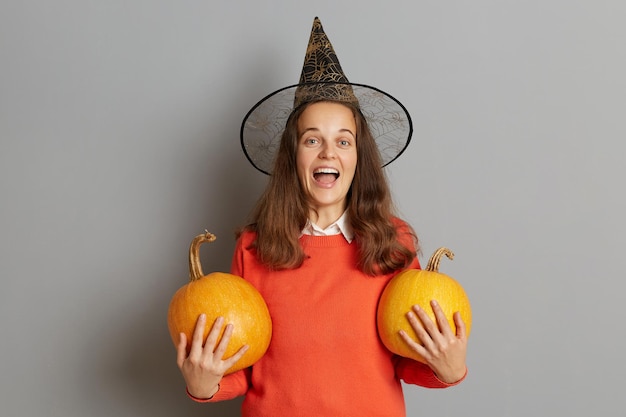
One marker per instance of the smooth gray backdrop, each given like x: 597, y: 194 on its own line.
x: 119, y: 125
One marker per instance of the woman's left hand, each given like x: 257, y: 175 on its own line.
x: 443, y: 349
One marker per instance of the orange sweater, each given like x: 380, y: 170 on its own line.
x: 325, y: 357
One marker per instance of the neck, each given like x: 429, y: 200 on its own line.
x: 325, y: 217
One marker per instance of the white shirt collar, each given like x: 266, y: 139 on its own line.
x: 341, y: 226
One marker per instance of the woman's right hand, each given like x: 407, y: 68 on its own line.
x: 204, y: 367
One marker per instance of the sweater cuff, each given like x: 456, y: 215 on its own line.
x: 418, y: 373
x: 202, y: 400
x: 451, y: 384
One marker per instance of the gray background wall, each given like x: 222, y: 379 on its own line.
x: 119, y: 127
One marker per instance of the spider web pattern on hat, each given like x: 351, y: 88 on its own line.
x: 322, y: 78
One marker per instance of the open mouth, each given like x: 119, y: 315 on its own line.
x: 325, y: 175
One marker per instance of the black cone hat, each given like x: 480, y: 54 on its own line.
x: 322, y: 78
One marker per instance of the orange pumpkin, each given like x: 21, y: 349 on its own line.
x: 221, y: 294
x: 414, y: 286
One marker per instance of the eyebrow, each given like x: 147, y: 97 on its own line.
x: 315, y: 129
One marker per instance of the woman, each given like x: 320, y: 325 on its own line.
x: 322, y: 245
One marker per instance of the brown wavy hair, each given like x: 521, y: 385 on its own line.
x: 282, y: 210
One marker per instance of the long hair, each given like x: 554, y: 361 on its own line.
x: 282, y: 210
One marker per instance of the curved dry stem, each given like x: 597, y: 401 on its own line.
x: 195, y: 268
x: 433, y: 262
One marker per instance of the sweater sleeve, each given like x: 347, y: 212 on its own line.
x: 417, y: 373
x: 237, y: 262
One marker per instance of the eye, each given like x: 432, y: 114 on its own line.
x: 310, y: 141
x: 344, y: 143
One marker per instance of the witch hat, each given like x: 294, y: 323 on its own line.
x: 322, y: 78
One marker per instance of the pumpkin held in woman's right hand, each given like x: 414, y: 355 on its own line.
x: 221, y: 295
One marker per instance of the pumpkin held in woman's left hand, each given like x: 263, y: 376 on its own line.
x: 420, y: 287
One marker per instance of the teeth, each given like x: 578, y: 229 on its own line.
x: 326, y: 171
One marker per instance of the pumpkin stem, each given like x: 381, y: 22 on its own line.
x: 195, y: 268
x: 433, y: 262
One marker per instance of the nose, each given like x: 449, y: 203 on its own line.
x: 327, y: 151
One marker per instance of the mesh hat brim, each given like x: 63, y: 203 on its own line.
x: 263, y: 126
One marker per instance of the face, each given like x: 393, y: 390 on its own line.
x: 326, y: 156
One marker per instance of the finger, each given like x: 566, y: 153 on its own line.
x: 223, y: 343
x: 181, y: 350
x: 429, y: 326
x: 460, y: 326
x: 421, y: 350
x: 416, y: 318
x: 442, y: 320
x: 238, y: 355
x: 213, y: 335
x: 198, y: 335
